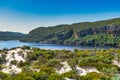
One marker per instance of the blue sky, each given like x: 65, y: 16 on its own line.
x: 25, y: 15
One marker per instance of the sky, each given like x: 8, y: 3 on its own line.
x: 25, y: 15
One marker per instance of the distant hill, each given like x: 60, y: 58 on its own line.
x: 76, y: 33
x: 11, y: 35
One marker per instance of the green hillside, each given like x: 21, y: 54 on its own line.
x: 63, y: 33
x: 11, y: 36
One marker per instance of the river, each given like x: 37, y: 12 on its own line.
x: 11, y: 44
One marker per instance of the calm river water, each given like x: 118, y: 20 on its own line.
x: 11, y: 44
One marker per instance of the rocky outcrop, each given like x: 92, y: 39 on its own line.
x: 64, y: 35
x: 114, y: 30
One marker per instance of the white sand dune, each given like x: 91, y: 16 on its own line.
x: 36, y: 70
x: 69, y: 79
x: 115, y: 62
x: 13, y: 69
x: 64, y: 69
x: 13, y: 55
x: 83, y: 71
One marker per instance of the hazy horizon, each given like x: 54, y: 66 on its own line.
x: 25, y: 15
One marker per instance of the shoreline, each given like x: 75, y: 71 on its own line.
x: 77, y: 45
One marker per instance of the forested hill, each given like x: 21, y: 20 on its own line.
x: 77, y: 33
x: 11, y: 35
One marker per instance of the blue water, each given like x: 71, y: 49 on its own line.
x: 11, y: 44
